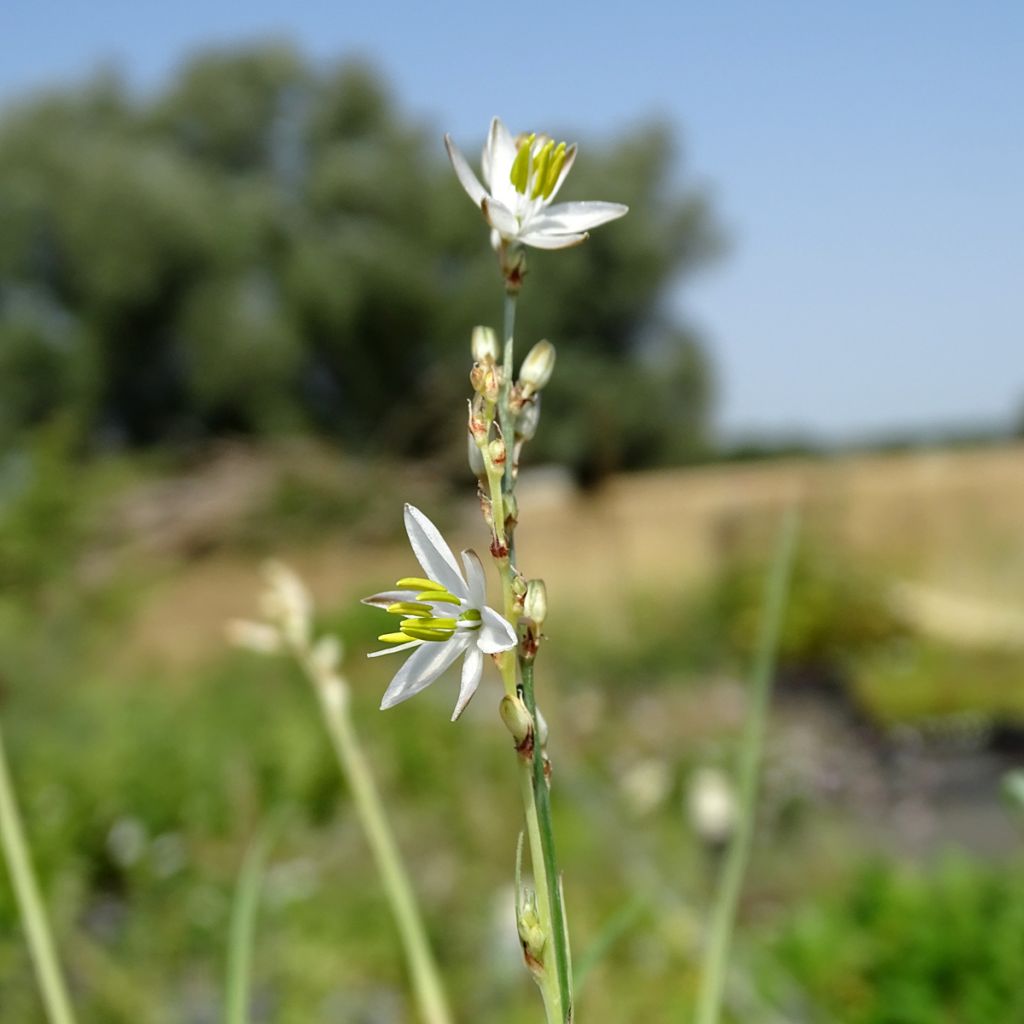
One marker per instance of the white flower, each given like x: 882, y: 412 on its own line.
x: 522, y: 176
x: 444, y: 616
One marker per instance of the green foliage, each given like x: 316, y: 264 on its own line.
x: 911, y: 683
x: 909, y: 947
x: 835, y: 610
x: 270, y: 247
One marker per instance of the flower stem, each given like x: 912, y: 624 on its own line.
x: 542, y: 799
x: 426, y: 977
x: 716, y: 957
x: 556, y: 983
x: 30, y: 903
x: 242, y: 930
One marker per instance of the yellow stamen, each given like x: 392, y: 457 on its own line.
x: 554, y: 169
x: 410, y: 608
x: 395, y: 638
x: 446, y: 624
x: 421, y: 633
x: 438, y: 595
x: 540, y: 166
x: 520, y: 173
x: 418, y: 583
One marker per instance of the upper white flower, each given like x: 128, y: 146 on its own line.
x: 522, y: 176
x: 444, y: 616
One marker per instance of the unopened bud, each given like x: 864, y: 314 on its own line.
x: 537, y: 368
x: 535, y: 604
x: 476, y: 457
x: 485, y: 379
x: 496, y: 450
x: 531, y: 933
x: 517, y: 719
x: 542, y: 730
x: 527, y: 420
x: 484, y: 345
x: 478, y: 428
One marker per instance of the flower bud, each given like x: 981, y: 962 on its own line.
x: 517, y: 719
x: 484, y: 345
x: 712, y: 806
x: 478, y: 428
x: 527, y: 420
x: 496, y: 450
x: 535, y: 604
x: 476, y: 457
x: 537, y: 368
x: 531, y: 933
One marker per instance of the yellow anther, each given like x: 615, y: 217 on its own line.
x: 421, y: 633
x: 554, y: 169
x: 418, y: 583
x: 540, y: 165
x: 395, y: 638
x: 410, y: 608
x: 438, y: 595
x: 439, y: 624
x: 520, y: 173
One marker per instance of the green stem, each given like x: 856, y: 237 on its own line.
x: 426, y: 977
x: 542, y: 797
x: 30, y: 903
x: 712, y: 987
x: 556, y: 986
x: 242, y: 930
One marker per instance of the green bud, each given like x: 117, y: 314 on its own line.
x: 516, y: 717
x: 537, y: 368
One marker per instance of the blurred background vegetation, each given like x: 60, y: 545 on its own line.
x: 234, y: 322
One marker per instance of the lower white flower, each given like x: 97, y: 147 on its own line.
x: 443, y: 617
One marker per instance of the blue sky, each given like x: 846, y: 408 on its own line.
x: 867, y: 159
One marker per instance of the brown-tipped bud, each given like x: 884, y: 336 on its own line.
x: 486, y: 380
x: 517, y: 720
x: 476, y: 458
x: 484, y: 345
x: 478, y: 426
x: 511, y: 509
x: 535, y: 603
x: 537, y: 368
x: 527, y: 420
x: 496, y: 450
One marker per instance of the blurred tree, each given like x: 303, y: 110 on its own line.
x: 268, y: 246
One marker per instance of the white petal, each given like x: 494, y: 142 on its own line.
x: 475, y: 578
x: 499, y: 155
x: 389, y: 597
x: 566, y: 217
x: 544, y: 240
x: 395, y: 648
x: 500, y: 218
x: 432, y: 552
x: 495, y: 634
x: 472, y: 667
x: 464, y: 172
x: 422, y: 668
x: 570, y: 159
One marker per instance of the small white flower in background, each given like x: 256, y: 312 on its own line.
x: 712, y: 806
x: 523, y: 175
x: 443, y: 617
x: 646, y: 785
